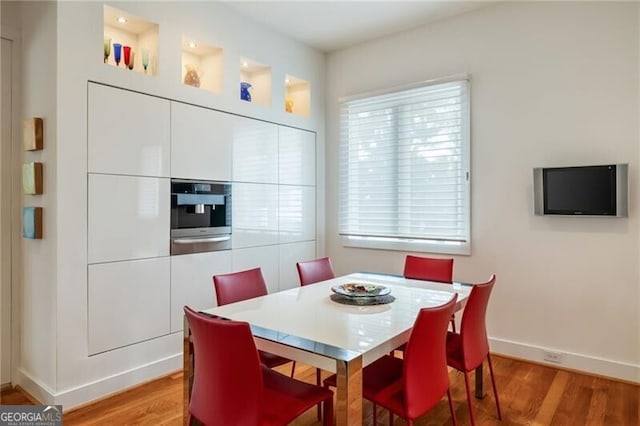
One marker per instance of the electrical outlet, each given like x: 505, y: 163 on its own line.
x: 550, y: 356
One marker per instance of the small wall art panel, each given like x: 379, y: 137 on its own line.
x: 32, y: 178
x: 32, y: 138
x: 32, y: 223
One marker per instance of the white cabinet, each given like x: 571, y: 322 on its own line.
x: 290, y: 254
x: 254, y: 215
x: 265, y: 258
x: 296, y: 156
x: 296, y: 213
x: 128, y: 133
x: 255, y: 151
x: 192, y: 282
x: 201, y: 143
x: 128, y: 302
x: 128, y: 217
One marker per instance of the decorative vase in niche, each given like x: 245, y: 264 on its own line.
x: 107, y: 48
x: 288, y: 104
x: 117, y: 52
x: 191, y: 77
x: 244, y: 91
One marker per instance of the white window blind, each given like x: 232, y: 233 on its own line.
x: 404, y: 167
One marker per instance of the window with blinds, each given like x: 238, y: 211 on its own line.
x: 404, y: 169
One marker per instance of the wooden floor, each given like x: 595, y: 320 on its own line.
x: 530, y: 394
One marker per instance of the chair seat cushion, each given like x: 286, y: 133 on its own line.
x: 286, y: 398
x: 271, y: 360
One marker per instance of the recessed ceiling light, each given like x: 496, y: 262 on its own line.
x: 192, y: 44
x: 286, y: 80
x: 245, y: 64
x: 122, y: 20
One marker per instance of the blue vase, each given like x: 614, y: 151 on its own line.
x: 116, y: 52
x: 244, y: 91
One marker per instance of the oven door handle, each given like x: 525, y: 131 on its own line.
x: 201, y: 240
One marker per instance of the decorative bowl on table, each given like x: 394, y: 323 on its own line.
x: 361, y: 290
x: 361, y: 294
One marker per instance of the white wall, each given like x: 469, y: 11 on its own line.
x: 37, y: 296
x: 9, y: 28
x: 638, y: 299
x: 56, y: 316
x: 552, y: 84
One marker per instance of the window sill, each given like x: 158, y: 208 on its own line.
x: 421, y: 246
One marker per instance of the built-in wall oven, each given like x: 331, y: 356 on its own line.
x: 200, y: 216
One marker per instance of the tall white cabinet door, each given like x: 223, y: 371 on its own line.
x: 201, y: 143
x: 296, y: 156
x: 128, y: 217
x: 128, y: 132
x: 296, y: 213
x: 128, y: 302
x: 254, y: 215
x: 192, y: 282
x: 255, y: 151
x: 265, y: 258
x: 290, y: 254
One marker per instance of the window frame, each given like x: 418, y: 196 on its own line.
x: 408, y: 244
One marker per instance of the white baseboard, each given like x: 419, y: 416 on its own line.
x: 81, y: 395
x: 43, y: 393
x: 588, y: 364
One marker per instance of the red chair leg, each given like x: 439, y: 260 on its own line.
x: 318, y: 378
x: 375, y: 415
x: 328, y: 412
x: 453, y: 323
x: 293, y: 369
x: 453, y: 413
x: 390, y: 418
x: 493, y: 383
x: 467, y: 388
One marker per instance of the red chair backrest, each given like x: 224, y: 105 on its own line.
x: 314, y: 271
x: 426, y: 376
x: 239, y: 286
x: 227, y: 385
x: 473, y: 329
x: 428, y: 269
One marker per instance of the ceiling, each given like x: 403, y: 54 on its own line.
x: 330, y: 25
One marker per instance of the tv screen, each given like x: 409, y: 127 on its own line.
x: 586, y: 190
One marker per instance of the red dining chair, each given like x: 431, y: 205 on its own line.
x: 244, y: 285
x: 311, y: 272
x: 430, y: 269
x: 467, y: 350
x: 314, y: 271
x: 231, y: 387
x: 411, y: 386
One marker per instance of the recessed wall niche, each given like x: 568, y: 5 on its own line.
x: 130, y: 42
x: 297, y: 96
x: 255, y: 78
x: 202, y: 65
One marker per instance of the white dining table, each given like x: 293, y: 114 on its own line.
x: 306, y: 325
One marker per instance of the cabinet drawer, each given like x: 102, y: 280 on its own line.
x: 128, y: 133
x: 128, y: 302
x: 201, y: 143
x: 129, y: 217
x: 192, y: 282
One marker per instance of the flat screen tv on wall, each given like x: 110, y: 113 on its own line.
x: 584, y: 190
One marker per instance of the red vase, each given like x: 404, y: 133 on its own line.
x: 127, y: 54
